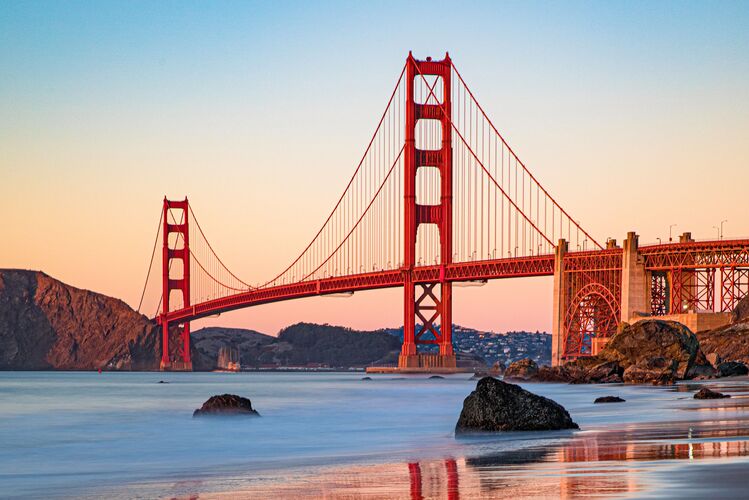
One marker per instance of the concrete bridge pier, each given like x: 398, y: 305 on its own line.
x: 559, y: 303
x: 635, y: 282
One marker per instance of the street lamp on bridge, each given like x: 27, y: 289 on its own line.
x: 720, y: 229
x: 670, y: 239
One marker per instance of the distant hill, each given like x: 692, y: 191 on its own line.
x: 206, y: 342
x: 301, y: 344
x: 46, y: 324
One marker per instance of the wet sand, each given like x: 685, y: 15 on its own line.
x: 707, y: 457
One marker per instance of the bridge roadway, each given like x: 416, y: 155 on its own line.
x: 685, y: 255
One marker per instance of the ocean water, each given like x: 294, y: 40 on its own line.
x: 124, y: 435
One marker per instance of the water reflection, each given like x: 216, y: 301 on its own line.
x: 601, y: 463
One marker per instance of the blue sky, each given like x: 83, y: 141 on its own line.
x: 635, y: 115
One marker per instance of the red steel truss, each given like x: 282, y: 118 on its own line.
x: 592, y: 299
x: 734, y: 286
x: 660, y: 301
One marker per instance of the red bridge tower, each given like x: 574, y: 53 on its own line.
x: 433, y: 303
x: 171, y: 253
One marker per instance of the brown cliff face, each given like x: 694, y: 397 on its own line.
x: 46, y: 324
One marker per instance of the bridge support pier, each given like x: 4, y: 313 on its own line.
x: 558, y: 304
x: 635, y: 282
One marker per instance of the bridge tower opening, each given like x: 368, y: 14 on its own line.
x: 175, y: 341
x: 428, y: 302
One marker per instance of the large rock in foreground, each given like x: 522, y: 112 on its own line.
x: 499, y: 406
x: 226, y: 404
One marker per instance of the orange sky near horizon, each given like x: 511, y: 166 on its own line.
x: 634, y: 118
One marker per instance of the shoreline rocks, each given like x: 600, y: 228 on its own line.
x: 226, y: 404
x: 523, y: 369
x: 500, y: 406
x: 732, y: 369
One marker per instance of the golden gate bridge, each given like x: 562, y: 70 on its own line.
x: 439, y: 197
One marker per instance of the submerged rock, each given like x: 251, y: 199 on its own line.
x: 706, y: 393
x: 436, y: 377
x: 499, y: 406
x: 609, y: 399
x: 226, y: 404
x: 732, y: 369
x: 523, y: 369
x: 366, y: 378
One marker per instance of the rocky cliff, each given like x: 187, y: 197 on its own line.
x: 46, y: 324
x: 730, y: 342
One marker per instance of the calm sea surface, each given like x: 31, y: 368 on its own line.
x: 124, y: 435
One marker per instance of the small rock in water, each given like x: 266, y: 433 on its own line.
x: 706, y: 393
x: 366, y: 378
x: 436, y: 376
x: 226, y: 404
x: 498, y: 406
x: 162, y: 382
x: 609, y: 399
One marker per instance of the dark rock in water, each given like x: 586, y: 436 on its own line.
x: 366, y: 378
x: 706, y: 393
x: 732, y: 369
x: 226, y: 404
x: 523, y: 369
x: 498, y: 406
x: 657, y: 370
x: 162, y: 382
x: 642, y: 342
x: 436, y: 376
x: 609, y: 399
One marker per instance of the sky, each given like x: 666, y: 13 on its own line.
x: 634, y: 115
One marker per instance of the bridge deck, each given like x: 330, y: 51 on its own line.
x: 706, y: 254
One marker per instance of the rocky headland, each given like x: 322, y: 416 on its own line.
x: 46, y: 324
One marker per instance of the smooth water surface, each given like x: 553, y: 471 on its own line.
x: 79, y: 434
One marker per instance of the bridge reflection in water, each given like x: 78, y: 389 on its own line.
x: 605, y: 463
